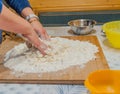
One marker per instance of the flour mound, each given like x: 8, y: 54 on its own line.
x: 63, y: 53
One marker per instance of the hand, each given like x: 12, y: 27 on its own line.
x: 37, y: 26
x: 16, y: 24
x: 35, y: 40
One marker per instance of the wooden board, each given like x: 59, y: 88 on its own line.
x: 72, y: 75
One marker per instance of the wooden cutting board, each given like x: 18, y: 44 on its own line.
x: 72, y: 75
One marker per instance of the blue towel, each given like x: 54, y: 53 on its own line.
x: 0, y: 36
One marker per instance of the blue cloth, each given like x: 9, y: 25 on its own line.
x: 18, y: 5
x: 0, y: 6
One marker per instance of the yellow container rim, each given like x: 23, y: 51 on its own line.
x: 104, y: 27
x: 94, y: 90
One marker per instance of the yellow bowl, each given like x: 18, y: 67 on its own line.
x: 112, y: 31
x: 104, y: 82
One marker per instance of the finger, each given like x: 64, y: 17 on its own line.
x: 37, y: 43
x: 41, y: 50
x: 47, y: 37
x: 44, y: 35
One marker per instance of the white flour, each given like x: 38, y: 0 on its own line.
x: 62, y: 54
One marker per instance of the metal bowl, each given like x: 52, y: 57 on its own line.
x: 82, y: 26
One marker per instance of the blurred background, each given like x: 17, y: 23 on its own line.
x: 62, y: 18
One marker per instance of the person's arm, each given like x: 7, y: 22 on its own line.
x: 23, y: 8
x: 35, y: 23
x: 11, y: 22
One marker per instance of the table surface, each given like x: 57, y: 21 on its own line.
x: 112, y: 56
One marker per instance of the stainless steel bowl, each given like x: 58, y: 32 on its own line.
x: 82, y: 26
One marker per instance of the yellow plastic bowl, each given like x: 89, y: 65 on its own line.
x: 104, y: 82
x: 112, y: 31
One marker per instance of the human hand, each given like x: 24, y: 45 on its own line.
x: 34, y: 21
x: 35, y: 40
x: 37, y: 26
x: 16, y: 24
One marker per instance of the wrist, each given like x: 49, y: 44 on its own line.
x: 33, y: 20
x: 32, y: 17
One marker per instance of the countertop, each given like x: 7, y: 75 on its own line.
x: 112, y: 56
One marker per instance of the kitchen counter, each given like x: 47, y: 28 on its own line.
x: 112, y: 56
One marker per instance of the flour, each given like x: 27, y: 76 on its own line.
x: 63, y: 53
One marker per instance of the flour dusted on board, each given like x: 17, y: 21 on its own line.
x: 61, y: 54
